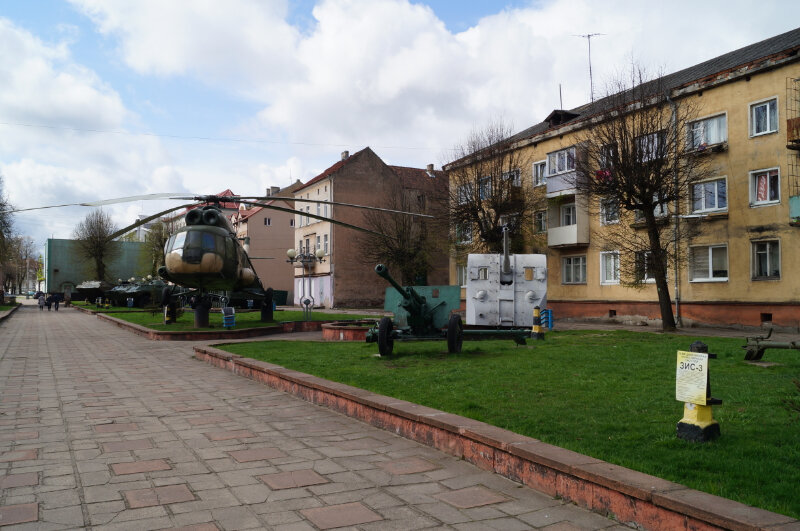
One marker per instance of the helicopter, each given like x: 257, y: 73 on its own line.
x: 205, y: 255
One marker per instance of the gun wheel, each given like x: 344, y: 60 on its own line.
x: 385, y: 341
x: 455, y: 334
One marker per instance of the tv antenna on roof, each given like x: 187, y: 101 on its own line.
x: 588, y: 37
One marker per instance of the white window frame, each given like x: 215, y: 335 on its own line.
x: 754, y: 259
x: 267, y: 222
x: 539, y: 172
x: 648, y: 146
x: 703, y: 207
x: 604, y: 211
x: 514, y: 175
x: 461, y: 275
x: 660, y: 211
x: 463, y: 233
x: 709, y: 277
x: 463, y: 194
x: 772, y: 122
x: 540, y: 221
x: 568, y: 210
x: 753, y: 176
x: 561, y: 161
x: 570, y: 262
x: 646, y: 258
x: 484, y: 188
x: 614, y: 256
x: 325, y: 243
x: 700, y: 128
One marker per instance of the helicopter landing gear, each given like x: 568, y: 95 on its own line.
x: 202, y: 306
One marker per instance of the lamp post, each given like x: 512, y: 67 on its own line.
x: 306, y: 259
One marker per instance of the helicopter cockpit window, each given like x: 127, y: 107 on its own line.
x: 175, y: 243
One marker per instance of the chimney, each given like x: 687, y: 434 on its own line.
x: 429, y: 170
x: 345, y: 155
x: 272, y: 190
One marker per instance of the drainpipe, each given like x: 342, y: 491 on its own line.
x: 674, y: 120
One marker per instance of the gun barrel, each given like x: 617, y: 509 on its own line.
x: 407, y: 293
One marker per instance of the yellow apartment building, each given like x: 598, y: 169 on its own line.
x: 740, y: 267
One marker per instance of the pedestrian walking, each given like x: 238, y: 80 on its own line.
x: 49, y: 302
x: 41, y: 301
x: 56, y: 299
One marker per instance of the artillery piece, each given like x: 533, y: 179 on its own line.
x: 421, y: 313
x: 756, y: 346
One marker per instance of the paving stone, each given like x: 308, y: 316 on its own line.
x: 18, y: 514
x: 470, y: 497
x: 292, y: 479
x: 19, y: 480
x: 122, y: 446
x: 409, y: 465
x: 140, y: 466
x: 228, y: 435
x: 158, y: 496
x: 256, y: 454
x: 347, y: 514
x: 19, y: 455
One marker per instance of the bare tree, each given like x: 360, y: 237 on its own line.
x: 486, y: 191
x: 637, y: 169
x: 408, y: 244
x: 6, y: 224
x: 92, y: 235
x: 155, y: 240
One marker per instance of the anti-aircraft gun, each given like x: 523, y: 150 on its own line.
x: 421, y: 313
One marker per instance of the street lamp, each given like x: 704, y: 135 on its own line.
x: 306, y: 259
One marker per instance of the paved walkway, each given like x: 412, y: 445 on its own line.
x: 103, y: 429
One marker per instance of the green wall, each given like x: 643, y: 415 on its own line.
x: 65, y: 266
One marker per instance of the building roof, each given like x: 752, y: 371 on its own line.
x: 333, y: 169
x: 417, y: 177
x: 726, y: 67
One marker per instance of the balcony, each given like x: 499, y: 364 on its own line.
x: 570, y: 235
x: 561, y: 184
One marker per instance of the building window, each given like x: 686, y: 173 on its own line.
x: 308, y: 211
x: 710, y: 196
x: 561, y: 161
x: 609, y: 211
x: 463, y: 233
x: 568, y: 215
x: 765, y: 186
x: 708, y: 263
x: 514, y: 175
x: 308, y: 245
x: 608, y: 153
x: 644, y: 266
x: 709, y: 131
x: 540, y: 221
x: 325, y: 243
x: 325, y: 207
x: 319, y: 242
x: 574, y: 270
x: 291, y: 222
x: 650, y: 147
x: 540, y: 173
x: 267, y: 222
x: 318, y: 207
x: 660, y: 210
x: 766, y: 260
x: 764, y: 117
x: 609, y: 267
x: 464, y: 193
x: 485, y: 187
x: 461, y: 275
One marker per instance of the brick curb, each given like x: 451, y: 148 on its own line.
x: 628, y: 496
x: 206, y: 335
x: 7, y: 313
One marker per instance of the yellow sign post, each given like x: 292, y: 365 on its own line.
x: 692, y: 387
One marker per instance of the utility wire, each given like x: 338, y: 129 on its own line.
x: 198, y: 138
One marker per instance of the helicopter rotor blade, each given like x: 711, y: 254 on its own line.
x: 365, y: 207
x: 128, y: 199
x: 147, y: 219
x: 310, y: 215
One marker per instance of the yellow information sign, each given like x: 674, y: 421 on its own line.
x: 691, y: 377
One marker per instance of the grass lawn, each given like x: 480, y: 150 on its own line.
x: 155, y: 319
x: 607, y: 394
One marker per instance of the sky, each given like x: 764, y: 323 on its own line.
x: 102, y: 99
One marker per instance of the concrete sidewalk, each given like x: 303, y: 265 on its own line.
x: 101, y: 428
